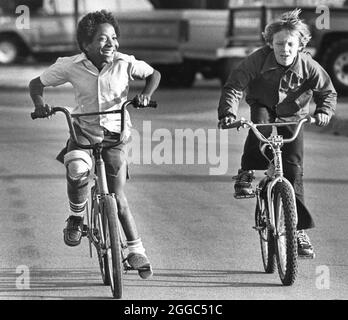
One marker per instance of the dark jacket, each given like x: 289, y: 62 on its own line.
x: 286, y: 91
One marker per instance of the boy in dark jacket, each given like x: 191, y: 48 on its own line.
x: 280, y: 80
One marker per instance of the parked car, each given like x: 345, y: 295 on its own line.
x: 179, y: 42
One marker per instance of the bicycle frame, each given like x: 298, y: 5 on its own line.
x: 111, y: 245
x: 270, y: 186
x: 275, y: 171
x: 97, y: 148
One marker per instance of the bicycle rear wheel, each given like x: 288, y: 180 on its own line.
x: 266, y: 236
x: 285, y: 237
x: 112, y: 258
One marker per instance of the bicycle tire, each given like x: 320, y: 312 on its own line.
x: 286, y: 253
x: 266, y: 237
x: 113, y: 260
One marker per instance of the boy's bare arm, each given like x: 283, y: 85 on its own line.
x: 151, y: 83
x: 36, y: 93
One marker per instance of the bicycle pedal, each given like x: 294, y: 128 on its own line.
x: 126, y: 265
x: 244, y: 196
x: 128, y: 268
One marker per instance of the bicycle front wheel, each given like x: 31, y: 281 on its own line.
x: 285, y: 235
x: 99, y: 234
x: 113, y: 261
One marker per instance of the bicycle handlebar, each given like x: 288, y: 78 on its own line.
x: 69, y: 116
x: 242, y: 123
x: 152, y: 104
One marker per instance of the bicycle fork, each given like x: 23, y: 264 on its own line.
x: 99, y: 189
x: 275, y: 174
x: 103, y: 190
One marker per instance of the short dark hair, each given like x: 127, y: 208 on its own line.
x: 87, y: 27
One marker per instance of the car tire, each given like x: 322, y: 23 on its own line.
x: 11, y: 50
x: 335, y: 61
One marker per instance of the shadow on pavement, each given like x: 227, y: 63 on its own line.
x: 191, y: 278
x: 65, y: 281
x: 51, y: 280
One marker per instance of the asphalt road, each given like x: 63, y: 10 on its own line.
x: 199, y: 238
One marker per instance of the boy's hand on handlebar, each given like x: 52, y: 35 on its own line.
x: 141, y: 100
x: 226, y: 121
x: 43, y: 111
x: 322, y: 119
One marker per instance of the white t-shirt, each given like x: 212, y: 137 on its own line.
x: 98, y: 91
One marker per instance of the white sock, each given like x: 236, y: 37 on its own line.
x: 77, y: 210
x: 136, y: 246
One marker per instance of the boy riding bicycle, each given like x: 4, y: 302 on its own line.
x: 280, y: 80
x: 100, y: 76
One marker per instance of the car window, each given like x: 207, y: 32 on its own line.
x: 116, y: 5
x: 67, y: 6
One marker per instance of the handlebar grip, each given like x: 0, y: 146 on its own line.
x: 312, y: 120
x: 152, y: 104
x: 49, y: 112
x: 234, y: 124
x: 34, y: 115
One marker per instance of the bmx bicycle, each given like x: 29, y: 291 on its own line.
x: 103, y: 228
x: 275, y: 212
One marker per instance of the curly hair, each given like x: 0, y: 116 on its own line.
x: 288, y: 21
x: 88, y: 26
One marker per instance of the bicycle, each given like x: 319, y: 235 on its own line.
x: 275, y: 212
x: 103, y: 228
